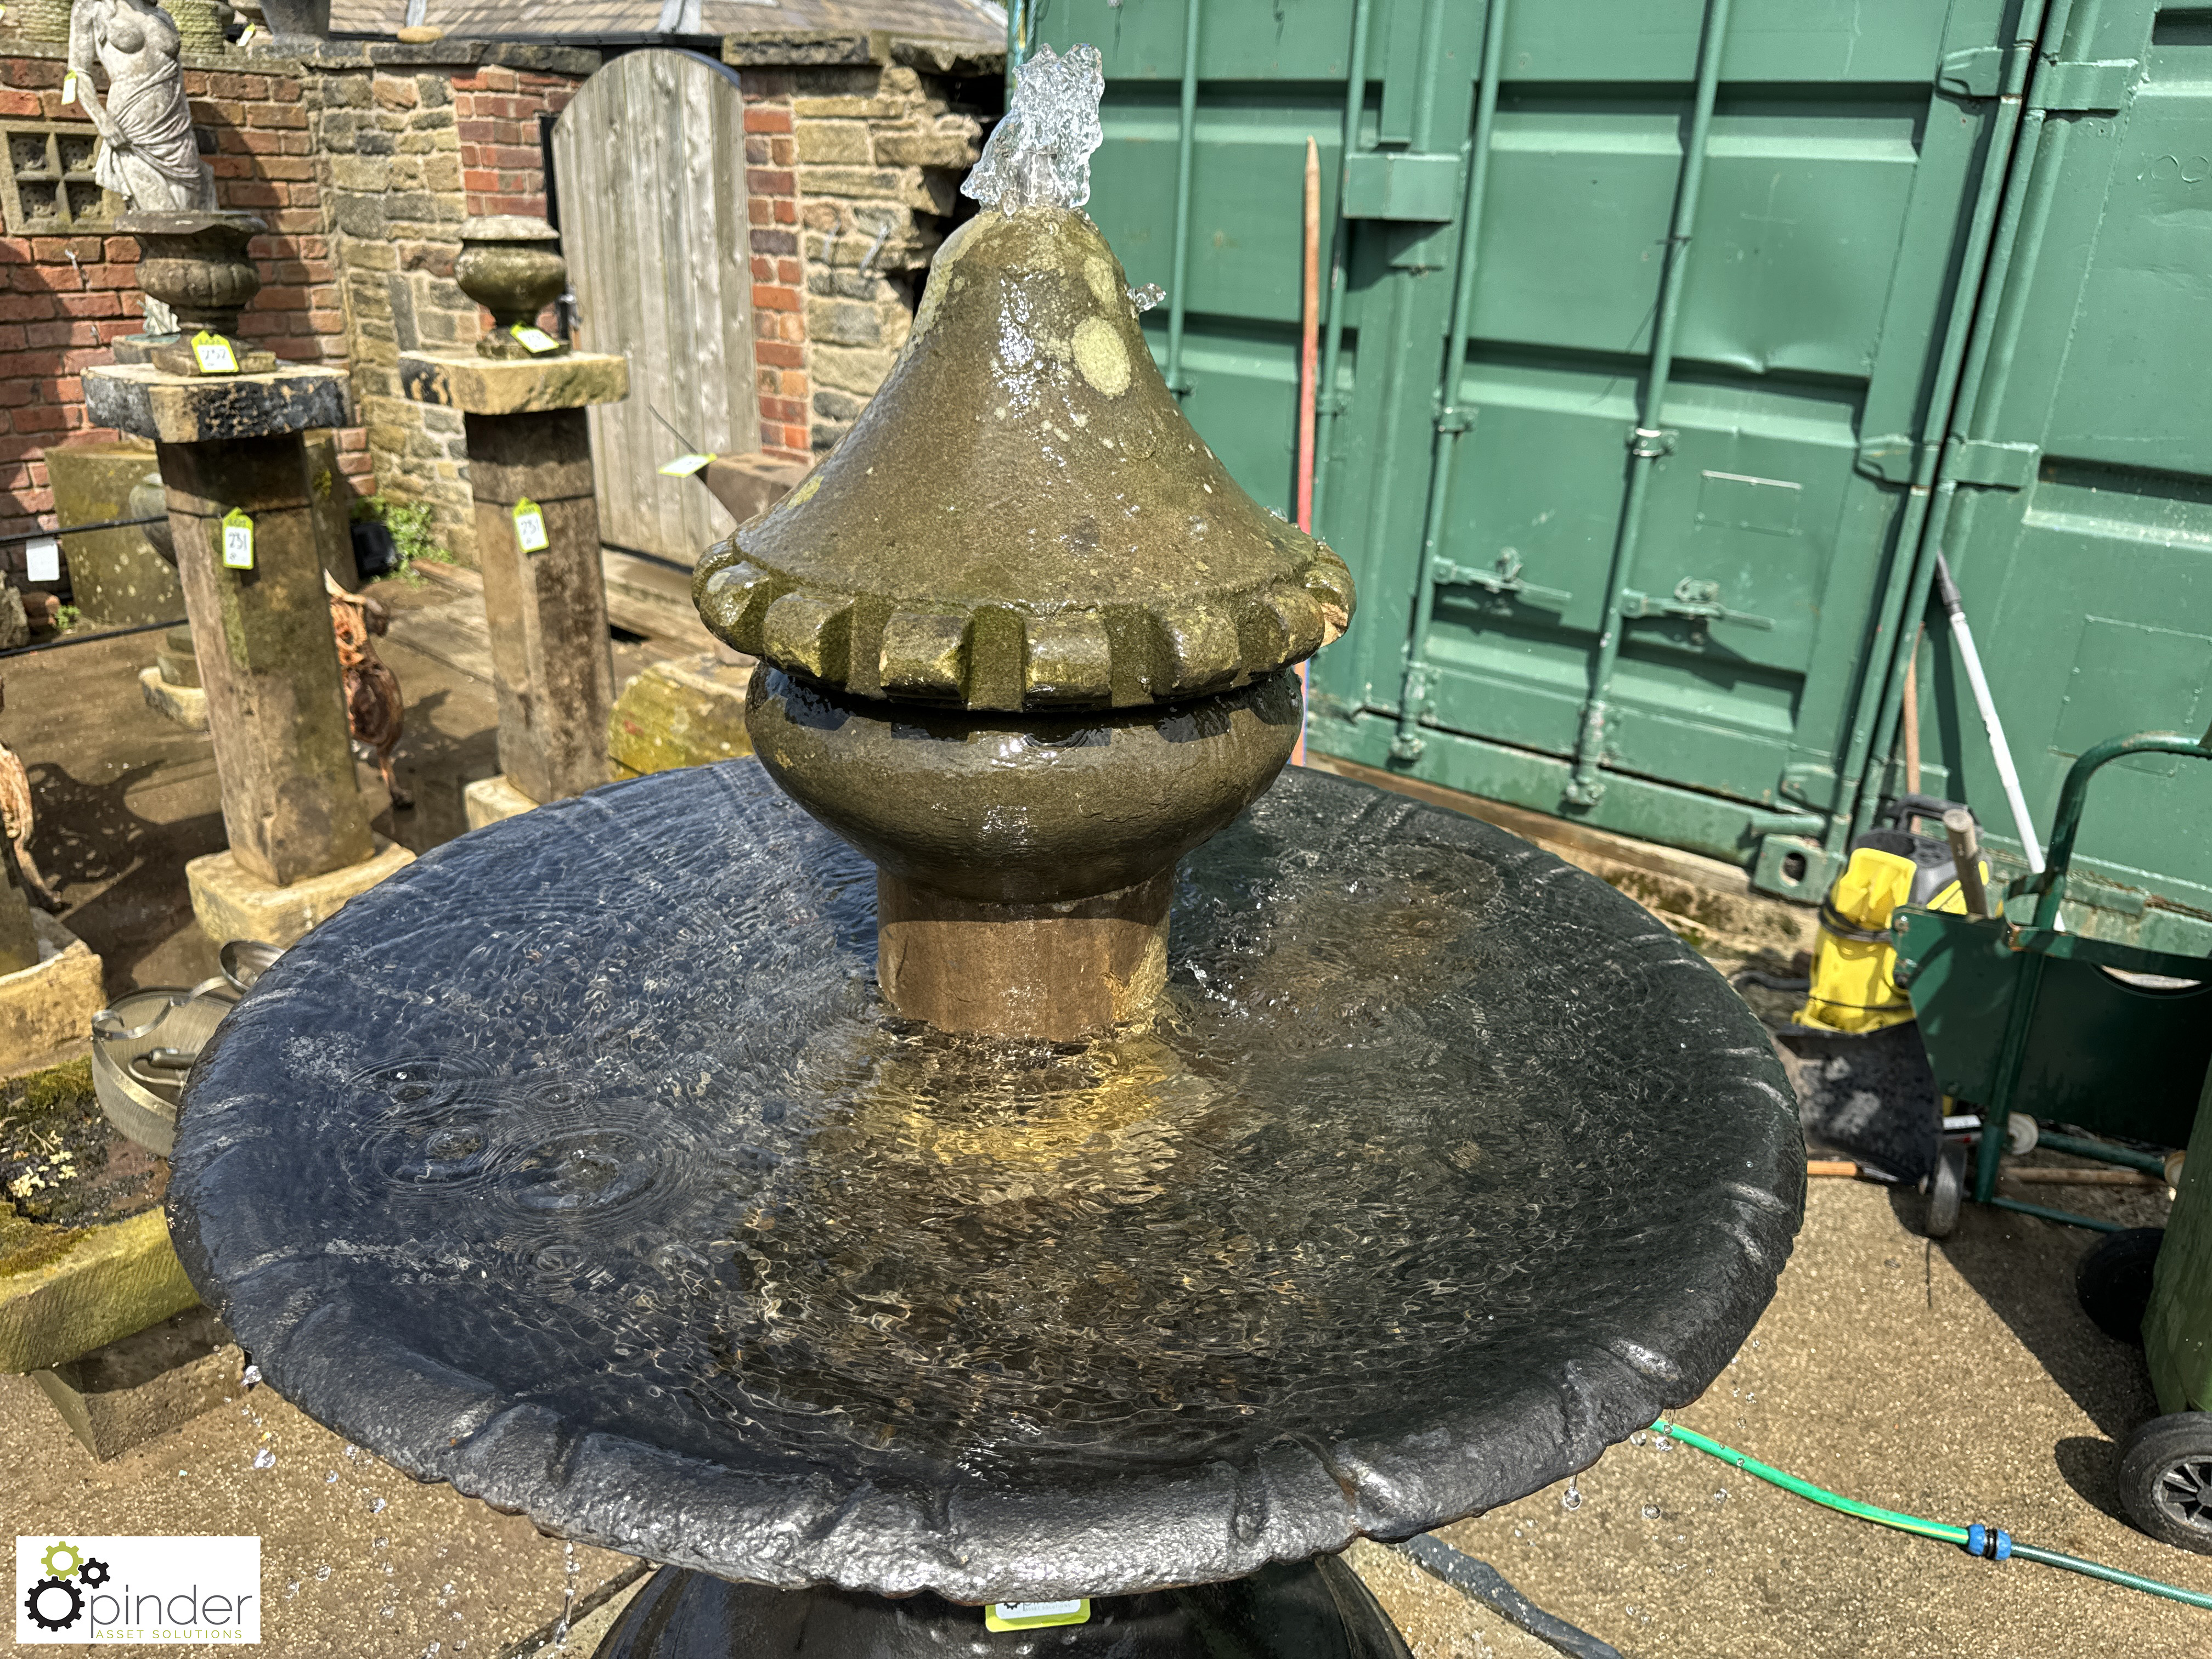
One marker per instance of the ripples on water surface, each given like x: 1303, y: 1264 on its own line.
x: 604, y: 1107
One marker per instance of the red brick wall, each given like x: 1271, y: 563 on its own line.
x: 56, y: 318
x: 496, y: 110
x: 779, y: 275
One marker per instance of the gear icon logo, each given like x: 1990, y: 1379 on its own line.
x: 43, y: 1595
x: 63, y: 1559
x: 93, y: 1574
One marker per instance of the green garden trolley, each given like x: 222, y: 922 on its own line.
x: 2036, y: 1025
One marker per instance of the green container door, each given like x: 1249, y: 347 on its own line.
x: 1825, y: 303
x: 2081, y: 532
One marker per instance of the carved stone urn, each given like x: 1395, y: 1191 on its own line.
x: 195, y: 263
x: 1024, y: 640
x: 512, y: 267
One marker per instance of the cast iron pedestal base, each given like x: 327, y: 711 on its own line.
x: 1314, y: 1610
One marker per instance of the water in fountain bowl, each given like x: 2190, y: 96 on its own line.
x: 582, y: 1165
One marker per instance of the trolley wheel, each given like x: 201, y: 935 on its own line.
x: 2112, y: 1281
x: 1946, y: 1188
x: 2166, y: 1479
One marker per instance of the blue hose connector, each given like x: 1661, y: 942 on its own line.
x: 1986, y: 1545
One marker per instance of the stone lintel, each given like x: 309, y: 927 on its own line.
x: 548, y: 57
x: 230, y: 902
x: 489, y: 799
x: 117, y: 1278
x: 177, y: 408
x: 858, y: 48
x: 490, y: 385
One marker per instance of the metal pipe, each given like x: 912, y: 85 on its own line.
x: 2044, y: 1213
x: 1647, y: 442
x: 1966, y: 859
x: 1186, y: 143
x: 2103, y: 1151
x: 2021, y: 74
x: 86, y: 529
x: 2074, y: 796
x: 1355, y: 105
x: 1412, y: 693
x: 92, y: 639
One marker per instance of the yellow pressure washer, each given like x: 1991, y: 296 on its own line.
x: 1854, y: 988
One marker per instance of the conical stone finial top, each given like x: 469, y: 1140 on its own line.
x: 1022, y: 518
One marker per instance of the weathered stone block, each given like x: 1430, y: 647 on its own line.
x: 748, y: 485
x: 856, y: 182
x: 957, y: 148
x: 51, y: 1003
x: 488, y: 800
x: 847, y: 369
x: 230, y: 902
x: 784, y: 48
x: 138, y: 399
x: 186, y: 705
x: 130, y: 1391
x: 116, y: 578
x: 690, y: 711
x: 113, y: 1279
x: 843, y: 322
x: 834, y: 141
x: 483, y: 385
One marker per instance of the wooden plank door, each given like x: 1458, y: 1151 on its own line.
x: 649, y: 161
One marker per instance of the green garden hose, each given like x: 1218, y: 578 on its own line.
x: 1990, y: 1543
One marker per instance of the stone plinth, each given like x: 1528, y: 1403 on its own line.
x: 746, y: 484
x: 50, y: 1003
x: 267, y: 662
x: 116, y: 577
x: 230, y: 902
x: 114, y: 1279
x: 123, y: 1395
x: 177, y: 408
x: 547, y: 608
x: 489, y: 799
x: 185, y: 704
x: 687, y: 712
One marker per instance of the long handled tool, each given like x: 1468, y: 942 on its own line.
x: 2007, y: 774
x: 1310, y: 332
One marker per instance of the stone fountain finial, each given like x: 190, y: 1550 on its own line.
x: 1025, y: 641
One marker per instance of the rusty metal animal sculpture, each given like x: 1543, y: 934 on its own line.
x: 16, y: 819
x: 376, y: 712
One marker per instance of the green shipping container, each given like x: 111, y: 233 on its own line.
x: 1663, y: 345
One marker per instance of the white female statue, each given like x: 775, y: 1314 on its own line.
x: 147, y: 155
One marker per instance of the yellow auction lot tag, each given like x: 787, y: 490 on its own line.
x: 530, y: 527
x: 69, y: 87
x: 537, y: 339
x: 237, y: 540
x: 1035, y: 1615
x: 683, y: 466
x: 213, y: 354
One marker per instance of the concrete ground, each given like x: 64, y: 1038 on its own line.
x: 1954, y: 1380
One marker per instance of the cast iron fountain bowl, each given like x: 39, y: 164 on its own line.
x: 580, y: 1165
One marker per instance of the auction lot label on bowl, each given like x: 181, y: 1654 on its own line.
x: 72, y: 1588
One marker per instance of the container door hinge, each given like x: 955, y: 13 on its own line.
x: 1698, y: 601
x: 1890, y: 458
x: 1503, y: 580
x: 1397, y: 184
x: 2084, y: 88
x: 1452, y: 419
x: 1977, y: 72
x: 1649, y: 442
x: 1992, y: 465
